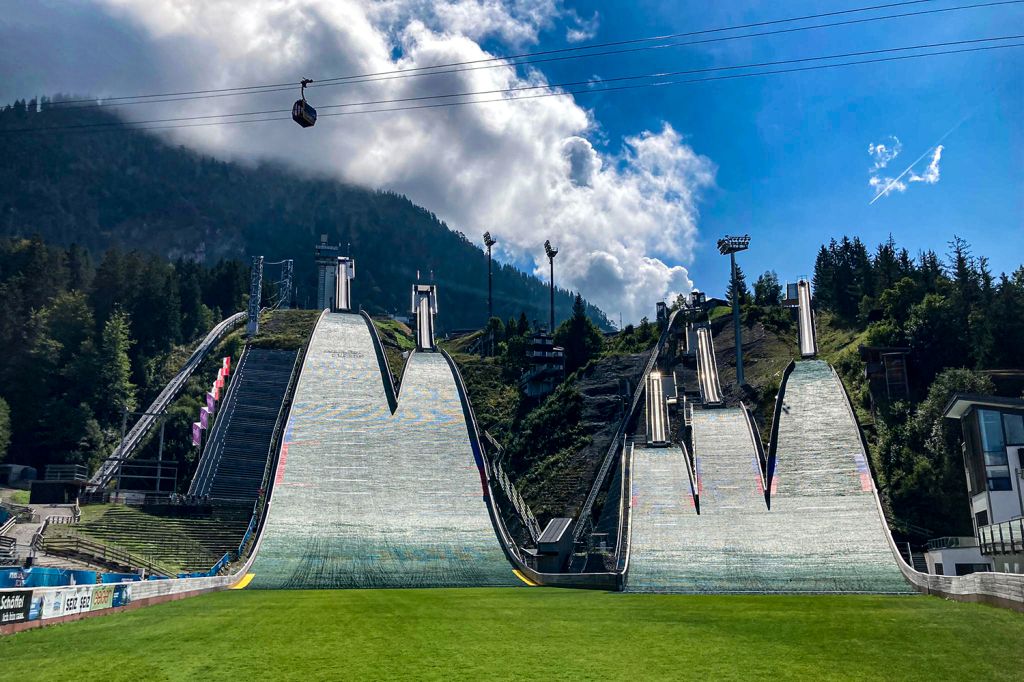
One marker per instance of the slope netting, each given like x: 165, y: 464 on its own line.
x: 822, y: 534
x: 364, y: 498
x: 823, y: 491
x: 673, y: 548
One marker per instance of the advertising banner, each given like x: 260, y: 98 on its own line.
x: 14, y: 606
x: 211, y: 402
x: 215, y: 390
x: 53, y: 603
x: 77, y: 600
x: 220, y: 382
x: 122, y: 595
x: 102, y: 597
x: 204, y: 417
x: 14, y: 577
x: 197, y: 434
x: 227, y: 365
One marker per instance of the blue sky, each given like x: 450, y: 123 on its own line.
x: 792, y: 150
x: 634, y: 188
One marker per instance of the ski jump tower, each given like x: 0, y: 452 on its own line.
x: 326, y: 268
x: 344, y: 273
x: 424, y: 307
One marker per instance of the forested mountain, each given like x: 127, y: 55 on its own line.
x: 99, y: 187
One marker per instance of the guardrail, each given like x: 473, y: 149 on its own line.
x: 135, y: 436
x: 219, y: 566
x: 382, y: 360
x: 773, y: 440
x: 1002, y: 538
x: 762, y: 458
x: 521, y: 507
x: 510, y: 490
x: 75, y: 546
x: 625, y: 507
x: 8, y: 551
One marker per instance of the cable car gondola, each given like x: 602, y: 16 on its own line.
x: 302, y: 112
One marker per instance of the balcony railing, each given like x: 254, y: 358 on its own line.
x: 952, y: 542
x: 1002, y: 538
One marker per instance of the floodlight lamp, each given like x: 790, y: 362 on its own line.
x: 728, y: 244
x: 488, y: 240
x: 551, y: 252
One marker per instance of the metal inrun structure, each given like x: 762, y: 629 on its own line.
x: 255, y: 295
x: 345, y: 272
x: 424, y: 307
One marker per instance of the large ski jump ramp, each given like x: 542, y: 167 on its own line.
x: 823, y: 533
x: 367, y: 498
x: 823, y: 493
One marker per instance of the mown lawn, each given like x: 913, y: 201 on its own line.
x: 526, y: 633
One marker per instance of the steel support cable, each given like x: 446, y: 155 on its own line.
x: 145, y: 125
x: 353, y: 80
x: 504, y: 58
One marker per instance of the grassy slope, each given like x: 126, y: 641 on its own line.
x: 285, y: 329
x: 397, y: 339
x: 542, y: 633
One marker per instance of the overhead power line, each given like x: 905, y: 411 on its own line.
x: 147, y: 125
x: 527, y: 58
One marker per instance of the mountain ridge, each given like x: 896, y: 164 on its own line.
x: 129, y: 188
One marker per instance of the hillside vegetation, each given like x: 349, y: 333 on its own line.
x: 957, y: 321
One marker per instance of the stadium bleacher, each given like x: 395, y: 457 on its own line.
x: 185, y: 544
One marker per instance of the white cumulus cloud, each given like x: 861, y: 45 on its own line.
x: 623, y: 214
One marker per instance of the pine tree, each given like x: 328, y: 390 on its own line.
x: 580, y: 338
x: 824, y: 277
x: 767, y: 290
x: 741, y: 288
x: 116, y: 393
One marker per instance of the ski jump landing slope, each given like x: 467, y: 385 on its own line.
x: 823, y: 492
x: 675, y: 549
x: 367, y: 498
x: 824, y: 531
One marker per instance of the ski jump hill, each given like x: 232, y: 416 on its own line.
x: 819, y: 528
x: 374, y: 489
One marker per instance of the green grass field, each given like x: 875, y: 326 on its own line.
x: 526, y: 633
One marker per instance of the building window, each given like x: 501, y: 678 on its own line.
x: 938, y: 569
x: 997, y: 471
x: 1014, y: 425
x: 967, y: 569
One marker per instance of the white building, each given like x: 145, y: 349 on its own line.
x: 993, y: 450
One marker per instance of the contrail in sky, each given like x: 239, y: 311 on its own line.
x: 892, y: 183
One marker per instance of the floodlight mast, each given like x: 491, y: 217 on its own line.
x: 731, y: 246
x: 489, y: 242
x: 551, y: 253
